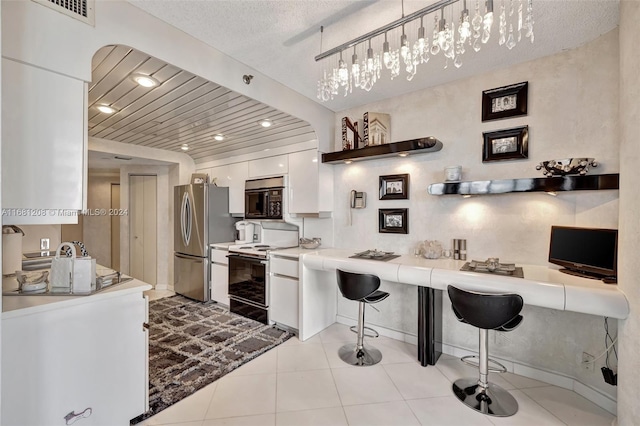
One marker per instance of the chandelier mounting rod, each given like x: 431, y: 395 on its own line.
x: 388, y: 27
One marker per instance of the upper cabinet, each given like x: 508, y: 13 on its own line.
x: 232, y: 176
x: 270, y: 166
x: 43, y: 145
x: 310, y: 184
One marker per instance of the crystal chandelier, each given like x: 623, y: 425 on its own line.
x: 455, y: 30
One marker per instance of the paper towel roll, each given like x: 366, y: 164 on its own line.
x: 11, y: 253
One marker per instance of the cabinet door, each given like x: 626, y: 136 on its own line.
x: 238, y: 173
x: 219, y: 175
x: 220, y: 283
x: 270, y: 166
x: 43, y: 140
x: 303, y: 182
x: 283, y: 307
x: 66, y: 360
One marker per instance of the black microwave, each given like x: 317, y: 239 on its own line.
x: 263, y: 198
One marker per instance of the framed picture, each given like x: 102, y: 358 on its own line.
x: 393, y: 221
x: 509, y: 144
x: 394, y: 187
x: 505, y: 102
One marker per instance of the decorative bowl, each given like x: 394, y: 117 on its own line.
x: 310, y: 243
x: 566, y: 166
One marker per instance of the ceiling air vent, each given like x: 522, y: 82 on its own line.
x: 82, y: 10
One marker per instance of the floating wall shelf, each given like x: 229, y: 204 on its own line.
x: 411, y: 147
x: 544, y: 184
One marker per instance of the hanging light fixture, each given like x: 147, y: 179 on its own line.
x: 515, y: 19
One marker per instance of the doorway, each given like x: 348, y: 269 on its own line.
x: 143, y: 227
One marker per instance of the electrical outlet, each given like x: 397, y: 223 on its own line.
x: 44, y: 244
x: 588, y: 361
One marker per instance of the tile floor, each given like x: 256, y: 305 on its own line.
x: 305, y: 383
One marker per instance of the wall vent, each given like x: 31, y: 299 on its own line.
x: 82, y: 10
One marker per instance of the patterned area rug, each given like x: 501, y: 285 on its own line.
x: 192, y: 344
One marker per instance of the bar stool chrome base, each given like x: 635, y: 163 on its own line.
x: 364, y: 356
x: 493, y: 400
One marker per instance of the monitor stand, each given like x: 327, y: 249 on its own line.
x: 582, y: 274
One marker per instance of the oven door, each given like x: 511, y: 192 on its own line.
x: 248, y: 287
x: 256, y: 203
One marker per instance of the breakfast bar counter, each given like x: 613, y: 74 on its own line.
x: 541, y: 286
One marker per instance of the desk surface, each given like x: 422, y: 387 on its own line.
x: 541, y: 286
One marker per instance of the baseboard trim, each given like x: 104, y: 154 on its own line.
x: 551, y: 377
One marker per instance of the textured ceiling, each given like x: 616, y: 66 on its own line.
x: 281, y: 37
x: 183, y: 109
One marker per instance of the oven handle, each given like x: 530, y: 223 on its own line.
x: 248, y: 258
x: 246, y: 302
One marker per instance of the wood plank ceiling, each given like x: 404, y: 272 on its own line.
x: 183, y: 109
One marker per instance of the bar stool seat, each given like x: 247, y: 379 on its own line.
x: 499, y: 312
x: 362, y: 288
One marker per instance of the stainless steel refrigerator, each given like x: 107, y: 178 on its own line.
x: 201, y: 218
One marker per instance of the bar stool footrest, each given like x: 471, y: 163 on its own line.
x: 374, y: 334
x: 475, y: 363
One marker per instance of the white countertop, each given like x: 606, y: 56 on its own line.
x: 295, y: 252
x: 14, y: 306
x: 222, y: 246
x: 541, y: 286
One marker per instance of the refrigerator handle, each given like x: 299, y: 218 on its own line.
x: 185, y: 219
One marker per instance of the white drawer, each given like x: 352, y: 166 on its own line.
x: 219, y: 256
x: 284, y: 266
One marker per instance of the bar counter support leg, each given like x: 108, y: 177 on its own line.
x: 429, y: 325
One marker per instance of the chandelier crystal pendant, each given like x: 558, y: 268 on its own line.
x: 514, y: 20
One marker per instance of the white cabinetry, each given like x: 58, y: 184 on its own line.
x: 70, y: 357
x: 232, y: 176
x: 310, y: 183
x: 43, y: 144
x: 220, y: 275
x: 270, y: 166
x: 284, y: 291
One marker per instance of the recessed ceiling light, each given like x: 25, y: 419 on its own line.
x: 219, y: 137
x: 107, y: 109
x: 403, y: 154
x: 145, y: 80
x: 348, y: 161
x: 184, y: 147
x: 265, y: 123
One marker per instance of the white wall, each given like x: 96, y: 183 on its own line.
x: 629, y: 243
x: 96, y: 229
x: 37, y: 35
x: 572, y: 112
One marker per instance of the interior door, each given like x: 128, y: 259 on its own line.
x: 143, y: 228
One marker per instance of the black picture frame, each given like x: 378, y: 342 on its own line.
x: 394, y: 187
x: 393, y: 221
x: 505, y: 102
x: 508, y: 144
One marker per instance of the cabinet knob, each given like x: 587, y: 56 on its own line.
x: 145, y: 326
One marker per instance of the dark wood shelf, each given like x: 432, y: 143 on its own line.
x: 543, y: 184
x: 410, y: 147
